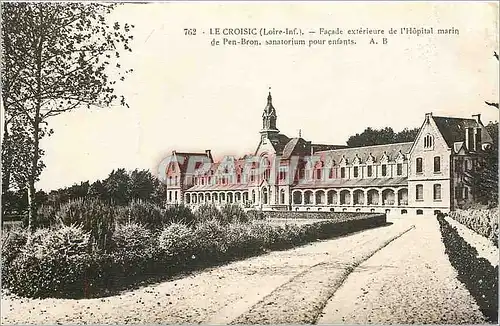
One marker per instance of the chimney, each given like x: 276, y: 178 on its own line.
x: 477, y: 139
x: 469, y: 139
x: 477, y: 117
x: 208, y: 153
x: 428, y: 117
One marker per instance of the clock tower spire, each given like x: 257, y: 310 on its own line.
x: 269, y: 117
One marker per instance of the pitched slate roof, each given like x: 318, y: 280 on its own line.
x: 279, y: 143
x: 453, y: 129
x: 377, y: 151
x: 353, y: 183
x: 325, y: 147
x: 182, y: 158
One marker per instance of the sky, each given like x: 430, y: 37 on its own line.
x: 187, y: 95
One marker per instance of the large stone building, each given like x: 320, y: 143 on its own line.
x: 423, y: 176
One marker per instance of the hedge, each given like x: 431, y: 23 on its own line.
x: 476, y: 273
x: 76, y: 268
x: 482, y: 221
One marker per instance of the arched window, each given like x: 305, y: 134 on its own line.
x: 264, y: 196
x: 419, y: 191
x: 437, y: 192
x: 428, y: 141
x: 437, y: 164
x: 419, y: 165
x: 282, y: 196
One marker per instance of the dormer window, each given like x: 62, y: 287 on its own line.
x: 428, y: 141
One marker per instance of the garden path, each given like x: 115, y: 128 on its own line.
x: 410, y: 281
x: 290, y: 286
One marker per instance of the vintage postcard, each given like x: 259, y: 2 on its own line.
x: 232, y: 162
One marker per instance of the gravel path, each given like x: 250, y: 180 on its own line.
x: 410, y: 281
x: 213, y: 296
x: 406, y: 280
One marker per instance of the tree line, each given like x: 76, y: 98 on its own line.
x: 120, y: 188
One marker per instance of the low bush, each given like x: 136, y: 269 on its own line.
x: 176, y: 242
x: 233, y: 213
x: 476, y: 273
x: 93, y: 216
x: 133, y: 249
x: 482, y: 221
x: 178, y: 214
x: 63, y: 262
x: 12, y: 244
x: 52, y: 263
x: 141, y: 212
x: 207, y: 212
x: 46, y: 216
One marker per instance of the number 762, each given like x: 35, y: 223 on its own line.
x: 189, y: 31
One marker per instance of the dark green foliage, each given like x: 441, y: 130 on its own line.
x: 12, y: 244
x: 481, y: 221
x: 233, y: 213
x: 51, y: 263
x: 142, y: 212
x: 207, y: 212
x: 46, y: 216
x: 133, y: 247
x: 254, y: 215
x: 382, y: 136
x: 176, y: 241
x: 476, y: 273
x: 94, y: 216
x: 178, y: 214
x: 62, y: 261
x: 483, y: 179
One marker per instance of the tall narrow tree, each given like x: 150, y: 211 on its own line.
x: 57, y: 57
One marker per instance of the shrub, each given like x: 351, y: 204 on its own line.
x: 46, y: 216
x: 52, y: 263
x: 142, y: 212
x: 233, y: 213
x: 482, y: 221
x: 254, y: 215
x: 132, y: 249
x: 241, y: 241
x: 176, y: 242
x: 94, y: 216
x: 210, y: 241
x: 178, y: 214
x: 207, y: 212
x: 476, y: 273
x: 12, y: 244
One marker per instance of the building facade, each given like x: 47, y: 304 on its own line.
x: 420, y: 177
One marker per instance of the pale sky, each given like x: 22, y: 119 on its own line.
x: 186, y: 95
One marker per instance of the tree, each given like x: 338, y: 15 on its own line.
x: 382, y: 136
x: 142, y: 184
x: 57, y: 57
x: 483, y: 178
x: 492, y: 103
x: 117, y: 185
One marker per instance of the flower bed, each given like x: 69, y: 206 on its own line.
x: 64, y: 262
x: 478, y: 275
x: 482, y: 221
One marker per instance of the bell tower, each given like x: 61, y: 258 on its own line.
x: 269, y: 130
